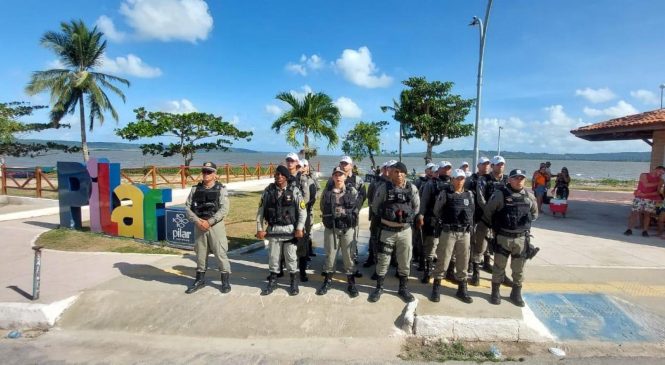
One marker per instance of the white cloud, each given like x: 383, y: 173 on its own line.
x: 358, y: 68
x: 131, y: 65
x: 296, y: 68
x: 347, y: 108
x: 56, y: 64
x: 167, y: 20
x: 105, y: 24
x: 235, y: 120
x: 645, y: 96
x: 314, y: 62
x: 301, y: 95
x: 621, y: 109
x: 182, y: 106
x: 274, y: 109
x: 596, y: 95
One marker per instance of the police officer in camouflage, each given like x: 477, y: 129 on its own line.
x: 283, y: 208
x: 206, y: 206
x: 339, y: 208
x: 299, y: 181
x: 511, y: 209
x: 375, y: 221
x: 313, y: 187
x: 396, y: 203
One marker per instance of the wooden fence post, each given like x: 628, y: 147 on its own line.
x: 258, y: 171
x: 228, y: 171
x: 270, y: 169
x: 38, y: 181
x: 244, y: 172
x: 3, y: 170
x: 154, y: 177
x: 318, y: 166
x: 183, y: 176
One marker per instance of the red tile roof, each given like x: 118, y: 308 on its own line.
x: 652, y: 120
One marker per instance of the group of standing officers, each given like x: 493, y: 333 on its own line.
x: 447, y: 221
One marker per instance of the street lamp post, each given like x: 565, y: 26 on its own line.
x: 498, y: 143
x: 482, y: 27
x: 662, y: 86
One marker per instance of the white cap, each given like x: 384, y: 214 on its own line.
x: 443, y: 164
x: 498, y: 160
x: 304, y: 163
x: 346, y: 159
x: 293, y: 156
x: 457, y: 173
x: 464, y: 164
x: 391, y: 163
x: 430, y: 165
x: 483, y: 160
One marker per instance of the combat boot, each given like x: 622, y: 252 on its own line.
x: 516, y: 296
x: 226, y: 286
x: 487, y: 266
x: 427, y: 272
x: 302, y: 267
x: 436, y: 296
x: 450, y: 273
x: 375, y: 276
x: 495, y: 298
x: 403, y: 291
x: 358, y: 274
x: 462, y: 292
x: 353, y: 291
x: 507, y: 282
x: 272, y: 284
x: 475, y: 276
x: 198, y: 283
x: 326, y: 284
x: 376, y: 294
x: 293, y: 287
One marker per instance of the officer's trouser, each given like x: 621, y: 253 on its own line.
x: 278, y: 246
x: 430, y: 244
x: 354, y: 242
x: 480, y: 238
x: 343, y: 244
x: 453, y: 244
x: 213, y: 240
x: 517, y: 252
x: 400, y: 242
x: 303, y: 243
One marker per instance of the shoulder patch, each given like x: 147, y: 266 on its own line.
x: 302, y: 204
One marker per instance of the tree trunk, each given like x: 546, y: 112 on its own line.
x: 371, y: 157
x: 428, y: 156
x: 306, y: 146
x: 400, y: 142
x: 84, y: 140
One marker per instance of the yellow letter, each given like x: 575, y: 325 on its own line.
x: 129, y: 217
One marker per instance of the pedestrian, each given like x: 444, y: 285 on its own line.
x: 511, y: 209
x: 560, y: 190
x: 283, y: 208
x: 646, y: 198
x: 339, y: 208
x: 539, y: 185
x: 207, y: 205
x: 396, y: 203
x: 455, y: 208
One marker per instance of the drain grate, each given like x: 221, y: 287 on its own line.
x: 585, y: 317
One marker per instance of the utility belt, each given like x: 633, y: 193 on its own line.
x: 512, y: 234
x: 394, y: 229
x: 455, y: 228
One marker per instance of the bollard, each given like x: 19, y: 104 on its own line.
x: 36, y: 277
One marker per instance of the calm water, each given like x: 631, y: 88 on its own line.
x: 134, y: 158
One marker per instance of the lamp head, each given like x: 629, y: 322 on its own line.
x: 475, y: 21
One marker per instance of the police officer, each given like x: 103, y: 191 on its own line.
x: 486, y: 186
x: 299, y: 181
x: 339, y: 207
x: 396, y: 203
x: 283, y: 208
x: 429, y: 173
x: 454, y: 208
x: 206, y: 206
x: 511, y: 209
x: 418, y: 245
x: 374, y: 221
x: 313, y: 187
x: 471, y: 184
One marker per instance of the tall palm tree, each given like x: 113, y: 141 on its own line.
x: 315, y: 114
x: 80, y: 50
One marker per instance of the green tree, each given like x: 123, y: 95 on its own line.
x: 431, y: 113
x: 189, y: 129
x: 363, y: 140
x: 80, y: 50
x: 315, y: 115
x: 10, y: 127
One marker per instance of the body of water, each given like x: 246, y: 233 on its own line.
x: 134, y: 158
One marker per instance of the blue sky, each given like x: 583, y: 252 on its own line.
x: 550, y: 66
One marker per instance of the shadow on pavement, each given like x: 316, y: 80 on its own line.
x: 20, y: 291
x: 43, y: 224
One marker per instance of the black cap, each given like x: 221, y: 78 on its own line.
x: 210, y: 166
x: 282, y: 170
x: 399, y: 166
x: 517, y: 172
x: 337, y: 169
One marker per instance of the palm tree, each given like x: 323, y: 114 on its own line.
x: 80, y: 50
x: 315, y: 114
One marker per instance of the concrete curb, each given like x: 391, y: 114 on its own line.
x: 33, y: 315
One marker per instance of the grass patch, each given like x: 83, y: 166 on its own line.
x: 418, y: 350
x: 64, y: 239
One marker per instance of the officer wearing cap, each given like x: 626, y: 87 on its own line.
x: 483, y: 168
x: 313, y: 187
x: 422, y: 180
x: 206, y: 206
x: 465, y: 167
x: 511, y: 209
x: 298, y: 180
x: 339, y: 207
x: 374, y: 220
x: 418, y: 246
x: 281, y: 218
x: 454, y: 208
x: 396, y: 203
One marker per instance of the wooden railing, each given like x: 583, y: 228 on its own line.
x: 27, y: 179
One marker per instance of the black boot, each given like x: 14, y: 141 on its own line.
x: 326, y: 284
x: 450, y: 273
x: 403, y: 292
x: 376, y: 294
x: 198, y: 283
x: 507, y: 282
x: 516, y: 296
x: 487, y: 263
x: 226, y: 286
x: 436, y: 296
x: 272, y: 284
x: 302, y: 267
x: 495, y: 298
x: 358, y: 274
x: 293, y: 288
x: 462, y: 293
x: 375, y: 276
x: 353, y: 291
x: 427, y: 272
x: 475, y: 277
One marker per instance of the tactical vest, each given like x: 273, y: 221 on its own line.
x: 459, y: 209
x: 515, y: 216
x: 347, y: 218
x: 397, y: 206
x: 205, y: 202
x: 420, y: 182
x: 491, y: 185
x: 313, y: 189
x: 438, y: 186
x: 282, y: 211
